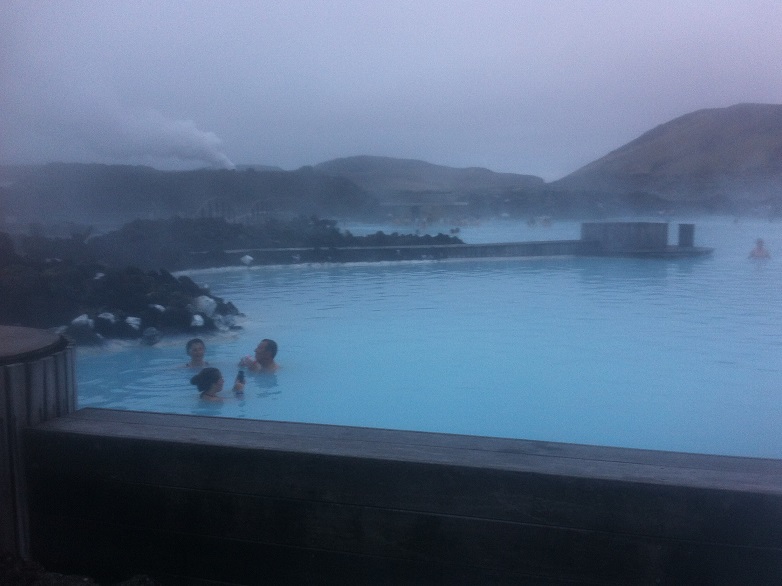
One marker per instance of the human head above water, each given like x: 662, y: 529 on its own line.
x: 193, y: 342
x: 206, y: 378
x: 270, y: 347
x: 265, y: 353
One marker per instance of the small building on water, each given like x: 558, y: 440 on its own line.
x: 640, y: 239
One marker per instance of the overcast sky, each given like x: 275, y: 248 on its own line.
x: 541, y: 88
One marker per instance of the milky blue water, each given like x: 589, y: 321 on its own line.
x: 681, y: 355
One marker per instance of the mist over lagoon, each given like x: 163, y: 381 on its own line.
x: 144, y: 140
x: 672, y: 355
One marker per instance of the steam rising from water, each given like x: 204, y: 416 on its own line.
x: 151, y: 134
x: 92, y: 122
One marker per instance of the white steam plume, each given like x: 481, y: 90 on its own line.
x: 89, y: 122
x: 150, y: 134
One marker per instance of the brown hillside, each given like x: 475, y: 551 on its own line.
x: 385, y: 176
x: 735, y: 152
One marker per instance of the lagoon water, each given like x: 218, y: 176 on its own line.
x: 682, y: 355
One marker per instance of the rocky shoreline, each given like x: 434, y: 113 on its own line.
x: 132, y: 304
x: 77, y: 287
x: 91, y: 303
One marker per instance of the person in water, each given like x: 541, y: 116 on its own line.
x: 196, y: 349
x: 760, y: 250
x: 210, y: 383
x: 263, y: 362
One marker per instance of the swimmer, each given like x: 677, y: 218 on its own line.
x: 196, y: 349
x: 264, y: 358
x: 760, y: 250
x: 210, y: 383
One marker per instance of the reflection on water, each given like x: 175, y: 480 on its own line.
x: 681, y: 354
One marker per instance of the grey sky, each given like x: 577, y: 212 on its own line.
x: 528, y: 87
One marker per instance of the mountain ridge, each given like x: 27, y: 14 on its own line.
x: 388, y: 175
x: 735, y: 151
x: 714, y: 160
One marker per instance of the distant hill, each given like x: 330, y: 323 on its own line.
x: 110, y: 195
x: 388, y: 177
x: 242, y: 167
x: 730, y: 155
x: 722, y: 160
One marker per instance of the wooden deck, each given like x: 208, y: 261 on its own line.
x: 210, y: 500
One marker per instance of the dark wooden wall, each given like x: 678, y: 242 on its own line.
x: 198, y: 500
x: 37, y: 383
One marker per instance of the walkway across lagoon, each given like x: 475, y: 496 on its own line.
x: 631, y: 239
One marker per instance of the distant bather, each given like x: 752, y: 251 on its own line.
x: 760, y: 250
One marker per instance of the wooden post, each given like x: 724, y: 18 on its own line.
x: 36, y: 384
x: 687, y: 235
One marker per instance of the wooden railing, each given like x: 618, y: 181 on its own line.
x: 204, y: 500
x: 37, y: 383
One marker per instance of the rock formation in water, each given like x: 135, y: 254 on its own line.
x: 91, y: 303
x: 171, y: 243
x: 112, y: 286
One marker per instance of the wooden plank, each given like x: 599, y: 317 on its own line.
x: 546, y: 553
x: 7, y: 498
x: 50, y: 386
x: 27, y: 381
x: 61, y: 384
x: 503, y: 454
x: 16, y: 377
x: 125, y: 484
x: 579, y: 502
x: 17, y: 343
x: 368, y: 436
x: 71, y: 378
x: 433, y: 538
x: 111, y: 553
x: 36, y: 395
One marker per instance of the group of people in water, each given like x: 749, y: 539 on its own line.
x: 209, y: 380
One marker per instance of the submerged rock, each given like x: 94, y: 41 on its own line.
x: 150, y: 337
x: 122, y: 304
x: 83, y: 333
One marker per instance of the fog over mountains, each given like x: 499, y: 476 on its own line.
x: 725, y: 160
